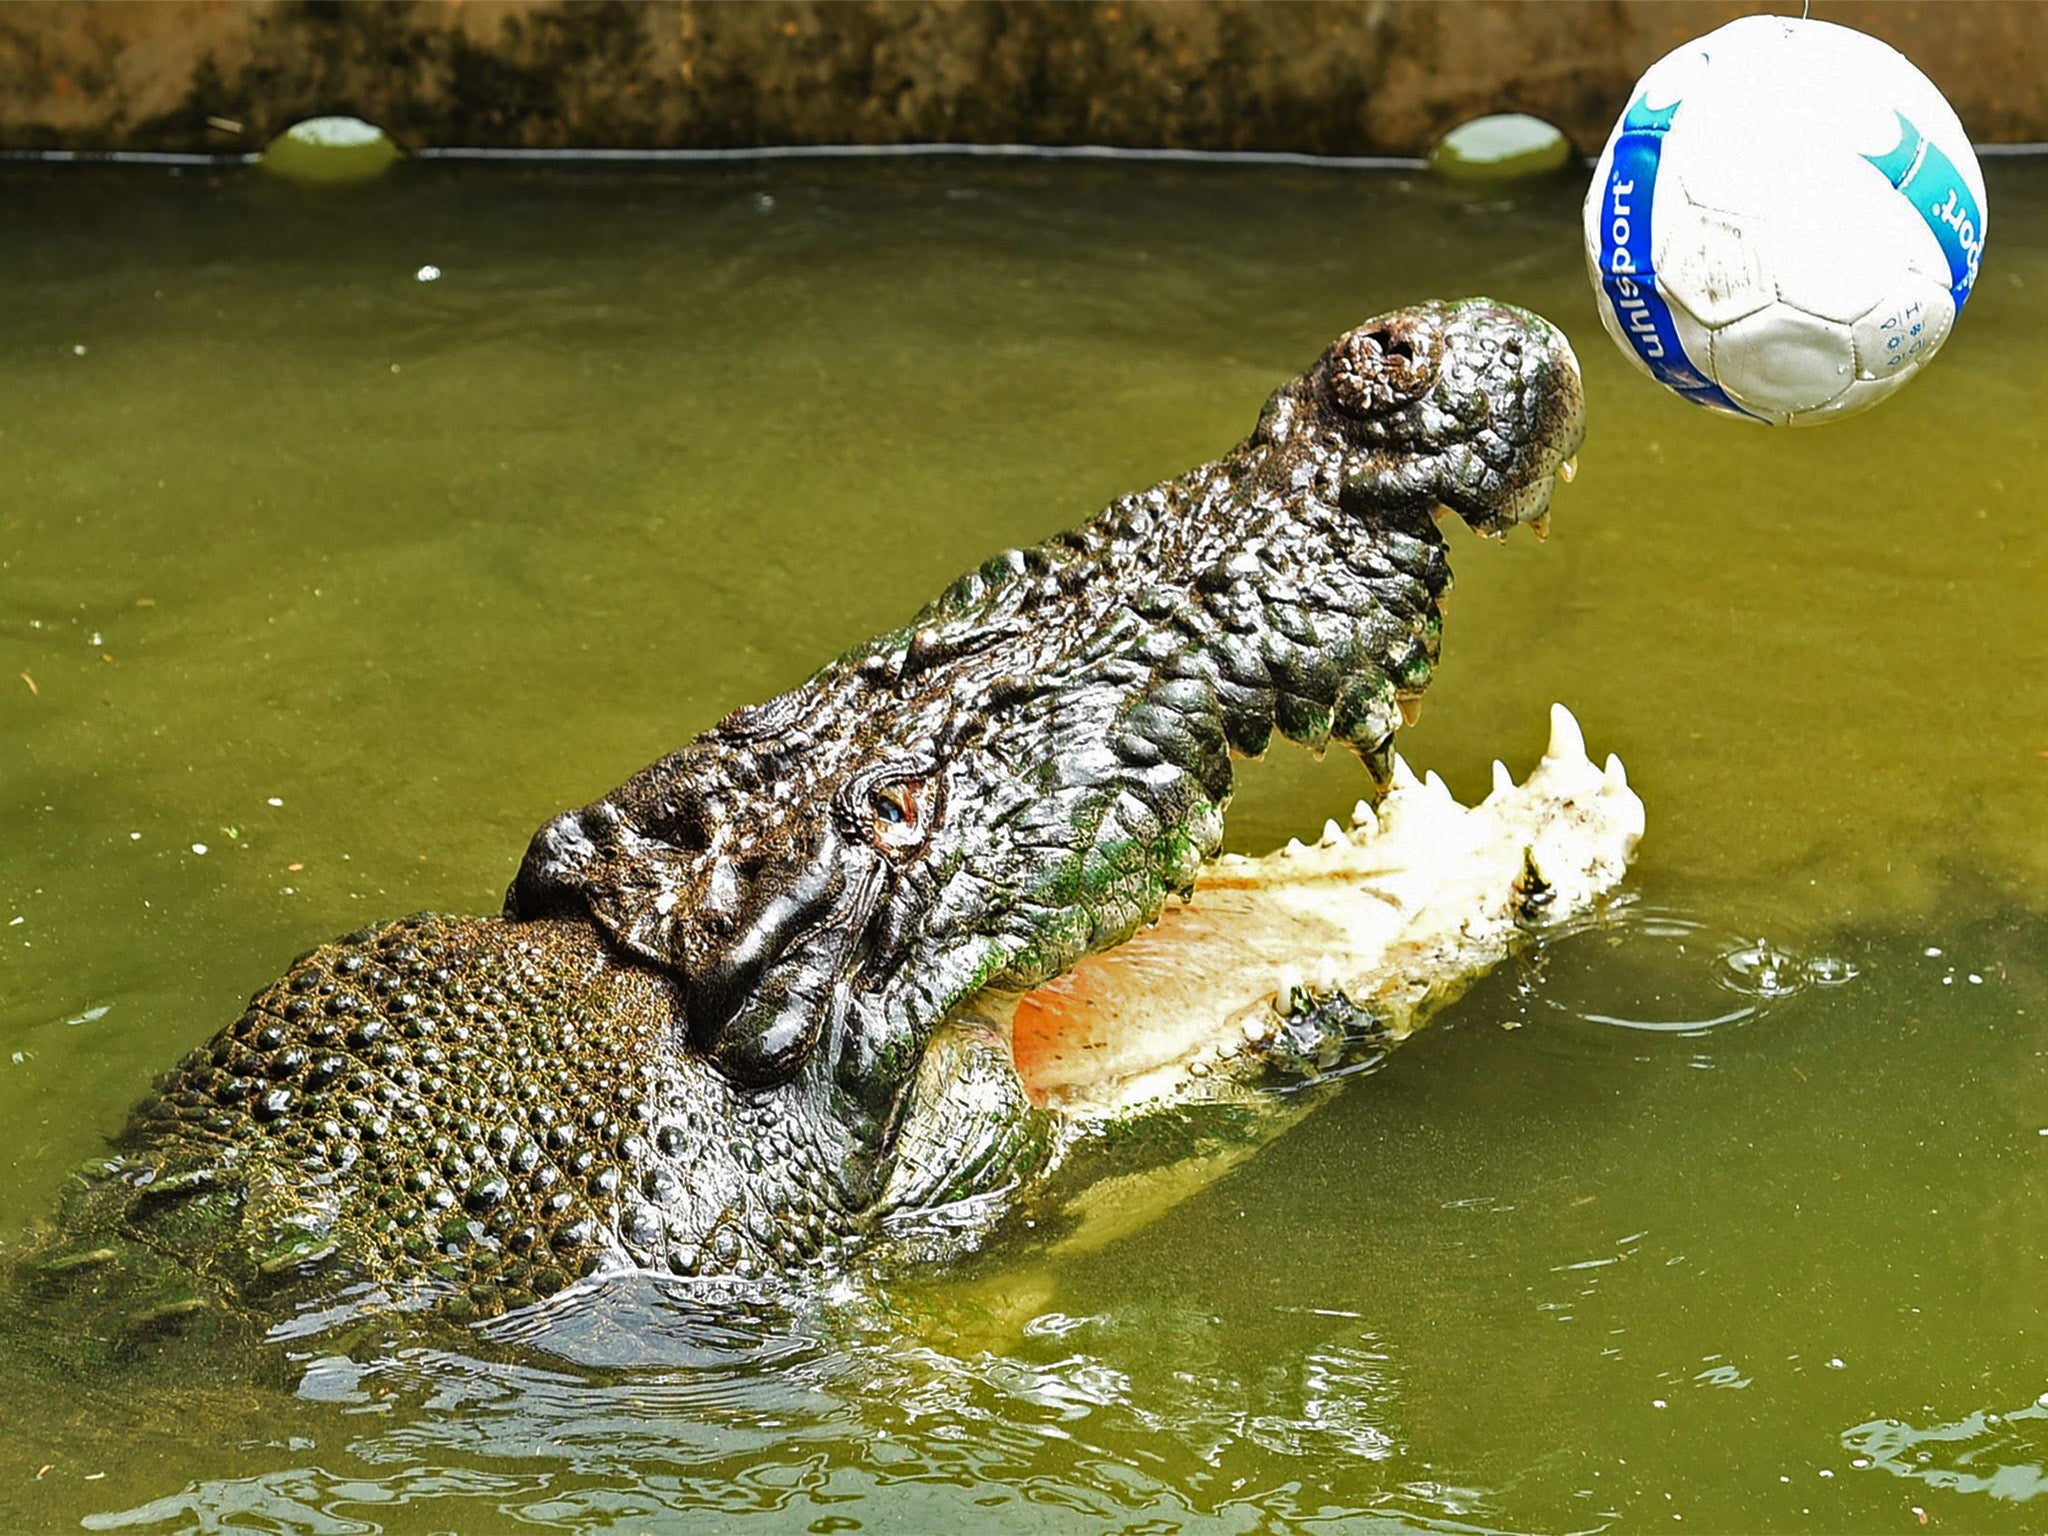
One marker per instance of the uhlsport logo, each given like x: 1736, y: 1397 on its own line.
x: 1627, y: 267
x: 1929, y: 180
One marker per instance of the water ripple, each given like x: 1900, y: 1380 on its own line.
x: 1998, y: 1455
x: 1658, y: 971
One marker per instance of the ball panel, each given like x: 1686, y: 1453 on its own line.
x: 1896, y: 226
x: 1710, y: 263
x: 1718, y: 162
x: 1859, y: 396
x: 1899, y: 334
x: 1782, y: 359
x: 1814, y: 268
x: 1695, y: 336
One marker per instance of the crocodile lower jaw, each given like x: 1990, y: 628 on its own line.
x: 1398, y: 913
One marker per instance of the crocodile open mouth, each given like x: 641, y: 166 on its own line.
x: 1390, y: 918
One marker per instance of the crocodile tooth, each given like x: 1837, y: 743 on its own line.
x: 1503, y: 781
x: 1540, y: 526
x: 1411, y: 709
x: 1294, y: 848
x: 1332, y: 834
x: 1365, y: 819
x: 1568, y: 471
x: 1567, y: 741
x: 1404, y: 776
x: 1614, y: 776
x: 1434, y: 783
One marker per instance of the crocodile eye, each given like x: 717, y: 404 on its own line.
x: 897, y: 814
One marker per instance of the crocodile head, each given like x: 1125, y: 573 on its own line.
x: 1021, y: 777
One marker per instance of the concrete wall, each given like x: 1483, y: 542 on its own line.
x: 1338, y: 77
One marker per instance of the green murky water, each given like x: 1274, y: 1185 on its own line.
x: 351, y: 579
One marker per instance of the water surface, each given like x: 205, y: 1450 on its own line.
x: 350, y: 579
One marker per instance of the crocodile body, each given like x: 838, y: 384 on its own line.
x: 759, y: 1006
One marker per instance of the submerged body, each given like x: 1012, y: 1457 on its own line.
x: 812, y: 980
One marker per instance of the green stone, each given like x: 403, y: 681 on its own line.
x: 1501, y: 147
x: 330, y: 149
x: 69, y: 1263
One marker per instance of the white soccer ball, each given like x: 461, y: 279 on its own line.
x: 1785, y: 222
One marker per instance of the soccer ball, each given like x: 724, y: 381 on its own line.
x: 1785, y: 222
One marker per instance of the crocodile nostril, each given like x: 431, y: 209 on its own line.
x: 1381, y: 369
x: 1392, y: 345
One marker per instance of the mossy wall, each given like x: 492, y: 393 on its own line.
x: 1336, y: 77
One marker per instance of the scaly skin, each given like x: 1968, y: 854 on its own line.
x: 691, y: 1042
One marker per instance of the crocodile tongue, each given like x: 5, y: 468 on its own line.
x: 1397, y: 913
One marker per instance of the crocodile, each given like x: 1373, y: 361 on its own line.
x: 885, y: 960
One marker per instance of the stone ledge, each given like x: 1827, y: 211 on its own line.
x: 1335, y: 77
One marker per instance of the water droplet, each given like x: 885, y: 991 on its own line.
x: 429, y: 273
x: 199, y: 847
x: 1830, y: 971
x: 1760, y: 970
